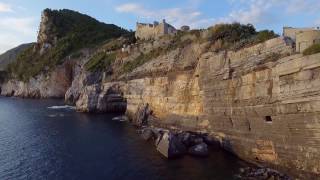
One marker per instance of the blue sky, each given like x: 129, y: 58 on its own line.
x: 19, y: 19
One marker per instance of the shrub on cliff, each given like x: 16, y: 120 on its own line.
x: 100, y: 61
x: 73, y: 31
x: 315, y: 48
x: 3, y: 76
x: 236, y: 36
x: 230, y: 33
x: 141, y: 59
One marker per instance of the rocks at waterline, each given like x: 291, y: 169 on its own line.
x: 199, y: 150
x: 175, y: 144
x: 120, y: 118
x: 253, y: 173
x: 142, y: 115
x: 170, y: 145
x: 147, y: 134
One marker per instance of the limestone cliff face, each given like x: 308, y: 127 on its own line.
x: 262, y: 109
x: 261, y: 103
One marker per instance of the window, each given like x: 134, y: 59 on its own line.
x: 268, y: 119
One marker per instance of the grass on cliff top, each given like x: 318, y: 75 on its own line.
x: 100, y: 61
x: 315, y: 48
x: 140, y: 60
x: 177, y: 41
x: 73, y: 31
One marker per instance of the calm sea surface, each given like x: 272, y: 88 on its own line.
x: 38, y: 142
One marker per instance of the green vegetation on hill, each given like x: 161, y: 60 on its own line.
x: 221, y: 37
x: 106, y: 55
x: 73, y: 31
x: 3, y: 76
x: 315, y: 48
x: 100, y: 61
x: 11, y: 55
x: 179, y: 40
x: 141, y: 59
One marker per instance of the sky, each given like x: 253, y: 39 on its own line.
x: 19, y: 19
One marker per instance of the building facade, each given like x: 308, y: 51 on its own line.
x: 152, y: 31
x: 303, y: 37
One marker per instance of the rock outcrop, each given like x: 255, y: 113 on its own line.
x: 52, y: 85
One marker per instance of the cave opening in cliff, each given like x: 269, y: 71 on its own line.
x: 268, y: 119
x: 12, y: 93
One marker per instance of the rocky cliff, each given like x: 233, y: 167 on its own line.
x: 259, y: 101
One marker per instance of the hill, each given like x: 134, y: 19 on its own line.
x: 11, y: 55
x: 61, y: 33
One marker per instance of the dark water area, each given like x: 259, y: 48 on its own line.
x: 37, y: 142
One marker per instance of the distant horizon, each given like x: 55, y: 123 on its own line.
x: 20, y: 19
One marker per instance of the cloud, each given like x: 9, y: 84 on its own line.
x: 5, y: 7
x: 303, y: 6
x: 15, y: 31
x: 129, y: 8
x: 251, y: 11
x: 20, y: 25
x: 176, y: 16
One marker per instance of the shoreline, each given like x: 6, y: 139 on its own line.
x: 255, y: 170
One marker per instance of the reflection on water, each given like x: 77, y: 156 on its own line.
x: 37, y: 142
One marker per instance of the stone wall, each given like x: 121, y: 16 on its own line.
x: 152, y: 31
x: 306, y: 39
x: 291, y: 32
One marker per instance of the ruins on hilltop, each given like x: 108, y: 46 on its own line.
x: 303, y: 37
x: 152, y: 31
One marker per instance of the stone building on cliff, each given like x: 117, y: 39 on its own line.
x: 152, y: 31
x: 303, y: 37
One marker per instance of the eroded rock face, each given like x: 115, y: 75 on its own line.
x: 46, y: 36
x: 53, y: 85
x: 253, y: 102
x: 88, y: 99
x: 80, y: 82
x: 95, y: 98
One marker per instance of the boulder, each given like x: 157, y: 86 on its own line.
x: 261, y: 173
x: 184, y: 137
x: 209, y: 140
x: 195, y: 140
x: 170, y: 145
x: 142, y: 115
x: 199, y: 150
x: 147, y: 134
